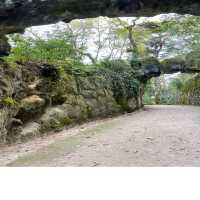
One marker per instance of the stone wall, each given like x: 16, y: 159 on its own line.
x: 35, y: 99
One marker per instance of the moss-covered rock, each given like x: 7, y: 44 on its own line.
x: 54, y: 118
x: 30, y: 130
x: 41, y: 104
x: 189, y: 63
x: 30, y: 106
x: 93, y: 108
x: 172, y: 65
x: 128, y: 105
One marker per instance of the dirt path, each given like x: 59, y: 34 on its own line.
x: 156, y: 136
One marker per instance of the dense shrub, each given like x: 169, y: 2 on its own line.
x: 183, y: 89
x: 190, y: 91
x: 122, y: 77
x: 54, y: 50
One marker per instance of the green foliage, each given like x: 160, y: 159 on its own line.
x: 187, y: 28
x: 190, y: 90
x: 67, y: 48
x: 8, y: 101
x: 183, y: 89
x: 186, y: 24
x: 57, y: 49
x: 122, y: 78
x: 171, y: 37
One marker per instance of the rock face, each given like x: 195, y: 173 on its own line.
x: 151, y: 67
x: 187, y: 64
x: 33, y: 102
x: 16, y: 15
x: 4, y: 46
x: 30, y: 106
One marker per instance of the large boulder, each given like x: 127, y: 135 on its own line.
x: 30, y: 106
x: 173, y: 65
x: 31, y: 130
x: 150, y: 68
x: 128, y: 104
x: 188, y: 64
x: 54, y: 118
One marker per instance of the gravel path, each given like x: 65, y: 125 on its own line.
x: 155, y: 136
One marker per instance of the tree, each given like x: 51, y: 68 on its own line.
x: 98, y: 39
x: 57, y: 49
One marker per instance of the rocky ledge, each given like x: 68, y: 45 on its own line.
x: 33, y: 101
x: 15, y: 15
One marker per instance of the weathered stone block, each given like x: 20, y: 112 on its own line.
x: 30, y: 106
x: 30, y: 130
x: 54, y: 118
